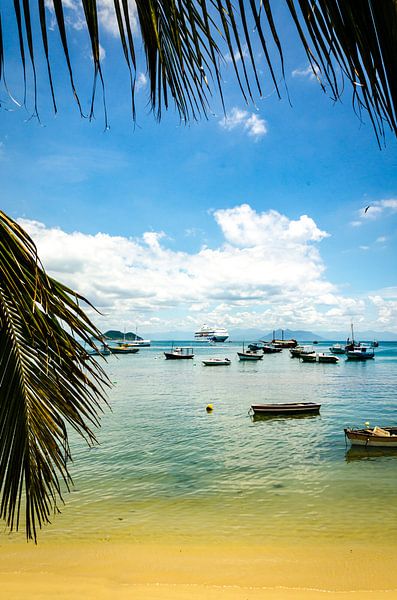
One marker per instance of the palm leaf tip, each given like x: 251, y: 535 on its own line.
x: 48, y: 383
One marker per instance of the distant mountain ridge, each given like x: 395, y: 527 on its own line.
x: 113, y: 334
x: 254, y: 334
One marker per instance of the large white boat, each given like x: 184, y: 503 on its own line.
x: 211, y: 334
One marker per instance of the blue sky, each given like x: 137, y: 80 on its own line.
x: 253, y: 220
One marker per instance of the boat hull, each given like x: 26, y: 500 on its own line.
x: 362, y: 356
x: 327, y: 359
x: 249, y: 357
x: 124, y: 350
x: 172, y: 356
x: 291, y: 408
x: 367, y: 438
x: 216, y: 363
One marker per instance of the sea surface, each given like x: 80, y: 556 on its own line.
x: 165, y: 468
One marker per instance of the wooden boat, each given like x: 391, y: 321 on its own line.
x: 290, y: 408
x: 384, y: 437
x: 216, y: 362
x: 248, y: 355
x: 284, y: 343
x: 123, y: 349
x: 327, y: 358
x: 180, y: 353
x: 311, y: 357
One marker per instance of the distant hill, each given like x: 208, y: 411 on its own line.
x: 113, y: 334
x: 256, y: 334
x: 365, y: 335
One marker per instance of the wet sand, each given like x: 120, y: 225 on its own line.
x: 165, y: 571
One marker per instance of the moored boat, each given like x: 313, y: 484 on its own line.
x: 299, y: 351
x: 123, y: 349
x: 179, y: 353
x: 289, y: 408
x: 216, y: 362
x: 322, y: 357
x: 385, y: 437
x: 101, y: 351
x: 360, y: 353
x: 284, y: 343
x: 269, y: 349
x: 311, y: 357
x: 249, y: 355
x: 337, y: 349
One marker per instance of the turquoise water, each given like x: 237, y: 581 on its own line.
x: 165, y: 467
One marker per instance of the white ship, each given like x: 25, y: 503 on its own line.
x: 211, y: 334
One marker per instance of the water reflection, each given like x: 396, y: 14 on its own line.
x: 369, y: 453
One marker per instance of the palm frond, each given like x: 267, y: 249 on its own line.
x: 47, y: 381
x: 183, y: 42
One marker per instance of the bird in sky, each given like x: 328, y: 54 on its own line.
x: 366, y: 208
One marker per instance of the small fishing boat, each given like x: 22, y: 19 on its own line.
x: 337, y: 349
x: 123, y: 349
x: 249, y: 355
x: 310, y: 357
x: 289, y: 408
x: 101, y: 351
x: 360, y: 353
x: 322, y: 357
x: 179, y: 353
x: 216, y: 362
x: 269, y: 349
x: 385, y: 437
x: 300, y: 351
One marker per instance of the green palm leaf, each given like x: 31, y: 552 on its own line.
x: 183, y: 41
x: 48, y: 383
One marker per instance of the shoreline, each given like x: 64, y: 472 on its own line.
x: 188, y: 571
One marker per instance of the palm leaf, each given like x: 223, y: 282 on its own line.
x: 48, y: 383
x: 182, y: 41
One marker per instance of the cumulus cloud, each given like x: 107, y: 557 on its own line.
x: 267, y: 272
x: 387, y: 310
x: 242, y: 119
x: 243, y: 226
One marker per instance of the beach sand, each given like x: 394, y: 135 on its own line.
x: 165, y: 571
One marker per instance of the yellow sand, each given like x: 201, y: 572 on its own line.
x: 165, y: 571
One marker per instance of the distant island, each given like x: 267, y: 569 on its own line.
x: 113, y: 334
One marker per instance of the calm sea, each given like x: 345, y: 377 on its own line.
x: 165, y: 467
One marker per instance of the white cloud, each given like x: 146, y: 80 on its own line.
x: 267, y: 272
x: 251, y: 123
x: 309, y: 72
x: 242, y: 226
x: 381, y: 239
x: 387, y: 311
